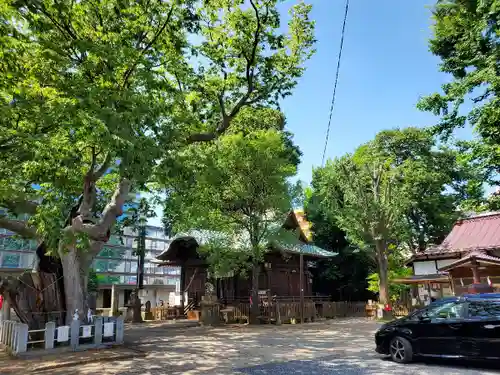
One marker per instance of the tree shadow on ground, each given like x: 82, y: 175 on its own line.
x: 332, y: 347
x: 351, y: 365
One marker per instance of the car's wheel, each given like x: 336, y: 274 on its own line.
x: 401, y: 350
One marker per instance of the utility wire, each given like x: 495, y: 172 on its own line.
x: 336, y: 81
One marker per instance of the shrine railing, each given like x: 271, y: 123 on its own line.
x: 292, y: 311
x: 19, y: 340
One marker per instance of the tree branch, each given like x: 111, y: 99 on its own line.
x: 103, y: 168
x: 20, y: 206
x: 18, y: 226
x: 101, y: 230
x: 250, y: 75
x: 130, y: 70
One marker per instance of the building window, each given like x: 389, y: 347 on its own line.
x: 150, y: 232
x: 129, y: 242
x: 171, y: 281
x: 11, y: 260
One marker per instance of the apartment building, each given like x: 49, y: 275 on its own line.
x: 115, y: 265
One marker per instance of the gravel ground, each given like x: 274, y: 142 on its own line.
x: 333, y: 347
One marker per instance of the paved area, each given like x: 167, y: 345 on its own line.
x: 343, y: 347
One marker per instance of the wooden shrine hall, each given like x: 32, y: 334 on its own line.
x: 284, y: 269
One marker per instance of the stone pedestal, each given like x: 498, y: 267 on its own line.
x: 209, y: 310
x: 134, y: 309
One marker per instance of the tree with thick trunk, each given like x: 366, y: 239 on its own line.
x: 394, y: 196
x: 366, y: 198
x: 255, y: 308
x: 382, y: 271
x: 100, y: 100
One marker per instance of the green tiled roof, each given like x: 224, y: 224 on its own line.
x: 305, y: 249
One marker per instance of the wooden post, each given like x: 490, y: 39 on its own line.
x: 301, y: 282
x: 475, y: 275
x: 182, y: 287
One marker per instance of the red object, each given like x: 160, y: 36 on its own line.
x: 1, y: 301
x: 387, y: 307
x: 250, y: 300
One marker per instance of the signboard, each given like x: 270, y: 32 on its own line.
x: 108, y: 329
x: 86, y: 331
x: 62, y: 334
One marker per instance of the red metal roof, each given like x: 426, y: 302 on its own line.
x: 481, y: 232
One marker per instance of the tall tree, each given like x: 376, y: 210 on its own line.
x: 465, y: 38
x: 439, y: 181
x: 365, y: 196
x: 95, y: 94
x: 241, y: 195
x: 344, y: 276
x: 400, y: 192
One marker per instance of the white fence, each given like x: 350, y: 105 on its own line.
x: 18, y: 339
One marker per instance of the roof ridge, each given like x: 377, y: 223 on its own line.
x: 489, y: 214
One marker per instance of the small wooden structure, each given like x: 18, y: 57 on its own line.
x: 284, y: 271
x: 467, y: 261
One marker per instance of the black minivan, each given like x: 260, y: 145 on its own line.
x: 459, y: 327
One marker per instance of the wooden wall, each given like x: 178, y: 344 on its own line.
x: 282, y: 278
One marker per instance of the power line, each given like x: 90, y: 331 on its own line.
x: 336, y: 81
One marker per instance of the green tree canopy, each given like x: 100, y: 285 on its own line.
x: 397, y: 193
x: 241, y: 196
x: 439, y: 181
x: 465, y: 38
x: 96, y: 96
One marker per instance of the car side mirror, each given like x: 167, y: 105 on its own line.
x: 425, y: 319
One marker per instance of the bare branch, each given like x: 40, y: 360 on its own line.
x: 18, y: 226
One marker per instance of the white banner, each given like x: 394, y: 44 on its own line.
x: 86, y: 331
x: 108, y: 329
x: 62, y: 334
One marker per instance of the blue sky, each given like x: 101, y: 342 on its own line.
x: 386, y: 66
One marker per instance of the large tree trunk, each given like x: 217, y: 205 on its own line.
x: 57, y: 287
x: 382, y: 272
x: 75, y: 273
x: 255, y: 309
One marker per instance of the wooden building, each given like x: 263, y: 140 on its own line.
x: 284, y: 269
x: 469, y: 255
